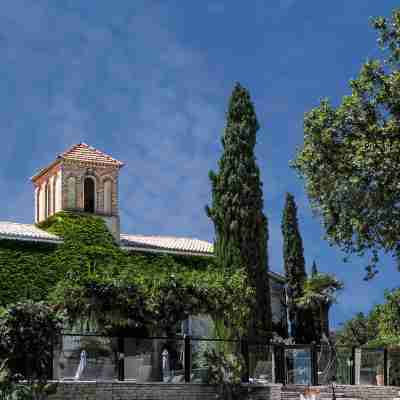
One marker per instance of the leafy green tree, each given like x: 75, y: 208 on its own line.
x: 389, y: 318
x: 359, y: 330
x: 314, y: 269
x: 293, y: 258
x: 241, y: 231
x: 27, y: 331
x: 12, y: 388
x: 319, y: 293
x: 350, y: 159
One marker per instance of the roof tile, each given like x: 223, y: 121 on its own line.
x: 86, y: 153
x: 167, y: 243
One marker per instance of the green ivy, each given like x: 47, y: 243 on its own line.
x: 27, y: 270
x: 27, y: 331
x: 92, y: 278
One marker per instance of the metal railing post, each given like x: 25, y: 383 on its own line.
x: 51, y: 366
x: 187, y: 358
x: 121, y: 359
x: 353, y: 365
x: 244, y: 348
x: 280, y: 364
x: 314, y: 365
x: 385, y: 367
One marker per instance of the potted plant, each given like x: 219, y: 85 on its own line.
x: 379, y: 375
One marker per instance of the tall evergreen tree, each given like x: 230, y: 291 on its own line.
x: 314, y: 269
x: 241, y: 230
x: 293, y: 256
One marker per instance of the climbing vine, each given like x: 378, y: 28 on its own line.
x: 96, y: 282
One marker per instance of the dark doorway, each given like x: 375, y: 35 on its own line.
x: 89, y: 195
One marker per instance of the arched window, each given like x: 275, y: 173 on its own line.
x: 108, y: 197
x: 71, y: 198
x: 89, y: 194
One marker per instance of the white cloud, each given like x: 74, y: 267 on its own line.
x: 128, y: 86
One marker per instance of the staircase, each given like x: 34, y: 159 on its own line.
x: 293, y: 393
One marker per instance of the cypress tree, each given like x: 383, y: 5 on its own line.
x: 314, y: 270
x: 301, y: 321
x: 241, y: 230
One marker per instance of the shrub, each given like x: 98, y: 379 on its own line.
x: 27, y: 332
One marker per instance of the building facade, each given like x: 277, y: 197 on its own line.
x: 84, y: 179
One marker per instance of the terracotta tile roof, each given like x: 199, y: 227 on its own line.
x: 13, y: 230
x: 81, y: 152
x: 86, y: 153
x: 167, y: 243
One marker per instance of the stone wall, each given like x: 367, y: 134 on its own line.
x: 362, y: 392
x: 114, y: 390
x: 365, y: 392
x: 100, y: 174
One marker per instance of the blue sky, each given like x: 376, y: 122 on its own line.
x: 149, y: 81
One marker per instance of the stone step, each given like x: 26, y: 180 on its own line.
x: 321, y: 396
x: 291, y: 395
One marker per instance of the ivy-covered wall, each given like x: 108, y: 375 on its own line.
x: 91, y: 278
x: 30, y: 270
x: 27, y: 270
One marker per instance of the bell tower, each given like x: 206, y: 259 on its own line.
x: 82, y: 179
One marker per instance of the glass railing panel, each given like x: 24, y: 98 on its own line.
x: 298, y: 366
x: 344, y: 365
x: 371, y: 367
x: 204, y: 353
x: 394, y: 366
x: 153, y: 360
x: 86, y: 358
x: 261, y: 363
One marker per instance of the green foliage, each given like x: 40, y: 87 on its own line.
x: 301, y: 319
x: 380, y: 327
x: 104, y: 287
x: 155, y: 298
x: 319, y: 293
x: 30, y: 270
x: 389, y: 318
x: 87, y: 243
x: 237, y: 207
x: 8, y: 387
x: 360, y: 330
x: 314, y: 269
x: 225, y: 370
x: 320, y: 288
x: 350, y: 159
x: 12, y: 389
x: 27, y: 331
x: 27, y: 270
x: 110, y: 288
